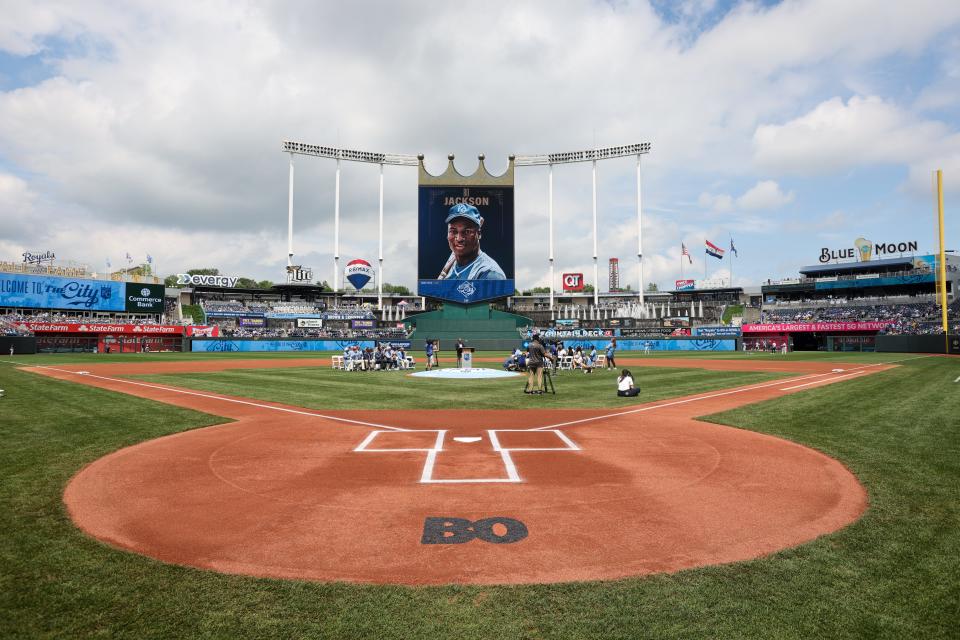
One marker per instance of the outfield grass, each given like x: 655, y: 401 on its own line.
x: 324, y: 388
x: 893, y: 574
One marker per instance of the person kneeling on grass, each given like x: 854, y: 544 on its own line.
x: 625, y: 386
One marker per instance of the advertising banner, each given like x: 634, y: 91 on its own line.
x: 144, y: 298
x: 661, y: 344
x: 238, y: 345
x: 51, y: 292
x: 252, y: 322
x: 684, y: 285
x: 572, y: 282
x: 713, y: 332
x: 358, y: 273
x: 362, y: 324
x: 203, y: 331
x: 394, y: 344
x: 466, y: 251
x: 309, y: 323
x: 795, y: 327
x: 101, y: 327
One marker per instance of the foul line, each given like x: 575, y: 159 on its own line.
x: 714, y: 395
x: 225, y: 399
x: 545, y: 428
x: 807, y: 384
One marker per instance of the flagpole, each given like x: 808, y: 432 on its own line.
x: 731, y: 261
x: 681, y: 262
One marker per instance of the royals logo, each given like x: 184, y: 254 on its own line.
x: 467, y: 290
x: 358, y: 273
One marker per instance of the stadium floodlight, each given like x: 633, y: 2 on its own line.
x: 335, y: 153
x: 589, y: 155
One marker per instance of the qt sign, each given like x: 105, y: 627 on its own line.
x: 572, y: 282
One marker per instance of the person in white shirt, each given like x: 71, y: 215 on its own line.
x: 625, y: 388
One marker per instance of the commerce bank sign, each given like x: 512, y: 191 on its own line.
x: 863, y: 249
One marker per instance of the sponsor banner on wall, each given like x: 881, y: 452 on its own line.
x: 309, y: 323
x: 52, y: 292
x: 799, y: 327
x: 144, y: 298
x: 233, y: 314
x: 239, y: 345
x: 395, y: 344
x: 362, y: 324
x: 572, y: 281
x: 684, y: 285
x: 658, y: 344
x: 713, y: 332
x: 466, y: 240
x: 577, y: 333
x: 252, y: 322
x: 203, y: 331
x: 360, y: 314
x: 102, y: 327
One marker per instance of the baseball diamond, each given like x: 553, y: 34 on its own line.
x: 289, y: 492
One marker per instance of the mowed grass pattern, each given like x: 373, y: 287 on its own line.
x: 893, y: 574
x: 323, y: 388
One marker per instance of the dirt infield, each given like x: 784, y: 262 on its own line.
x: 473, y: 497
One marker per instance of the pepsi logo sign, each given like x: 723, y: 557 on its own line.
x: 358, y: 273
x: 573, y: 282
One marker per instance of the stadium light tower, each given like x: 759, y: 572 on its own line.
x: 352, y: 155
x: 591, y: 155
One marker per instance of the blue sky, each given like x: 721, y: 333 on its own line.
x: 788, y: 126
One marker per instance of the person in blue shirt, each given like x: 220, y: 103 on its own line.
x: 467, y: 261
x: 428, y: 348
x: 611, y: 352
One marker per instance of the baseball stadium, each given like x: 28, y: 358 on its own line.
x: 196, y: 455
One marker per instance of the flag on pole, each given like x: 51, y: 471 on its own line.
x: 108, y: 263
x: 149, y: 259
x: 733, y: 249
x: 714, y: 250
x: 684, y: 252
x: 129, y: 257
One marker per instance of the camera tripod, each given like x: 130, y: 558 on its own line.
x: 547, y: 382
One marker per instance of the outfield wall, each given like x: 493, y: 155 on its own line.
x: 228, y: 346
x: 337, y: 346
x: 20, y: 345
x: 917, y: 344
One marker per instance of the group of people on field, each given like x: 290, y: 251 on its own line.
x: 383, y: 357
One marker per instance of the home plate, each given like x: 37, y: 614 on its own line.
x: 468, y: 438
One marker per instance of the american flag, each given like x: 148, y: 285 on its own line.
x: 684, y: 252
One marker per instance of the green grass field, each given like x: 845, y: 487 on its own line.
x: 893, y: 574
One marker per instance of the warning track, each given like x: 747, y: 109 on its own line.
x: 289, y: 492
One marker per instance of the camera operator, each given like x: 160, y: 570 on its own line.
x: 535, y: 361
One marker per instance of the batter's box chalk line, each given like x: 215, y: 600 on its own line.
x: 436, y: 448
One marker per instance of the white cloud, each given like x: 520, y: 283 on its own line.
x: 163, y: 123
x: 837, y: 135
x: 720, y: 203
x: 765, y: 195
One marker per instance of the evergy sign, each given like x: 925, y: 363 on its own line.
x: 207, y: 281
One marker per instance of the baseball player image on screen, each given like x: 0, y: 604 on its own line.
x: 467, y: 261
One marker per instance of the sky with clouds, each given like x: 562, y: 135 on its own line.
x: 156, y: 128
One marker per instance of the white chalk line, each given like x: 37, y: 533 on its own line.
x: 225, y: 399
x: 382, y: 426
x: 713, y: 395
